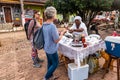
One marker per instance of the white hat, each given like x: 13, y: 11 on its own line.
x: 78, y: 18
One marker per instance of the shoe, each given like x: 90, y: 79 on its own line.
x: 54, y: 78
x: 45, y: 79
x: 40, y: 60
x: 37, y: 65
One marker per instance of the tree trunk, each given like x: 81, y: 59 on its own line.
x: 92, y: 14
x: 65, y: 17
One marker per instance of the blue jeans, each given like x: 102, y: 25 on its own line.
x: 53, y: 62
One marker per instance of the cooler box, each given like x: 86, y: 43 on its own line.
x: 113, y: 45
x: 77, y: 73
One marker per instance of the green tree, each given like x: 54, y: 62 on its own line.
x: 87, y: 9
x: 63, y: 7
x: 116, y: 4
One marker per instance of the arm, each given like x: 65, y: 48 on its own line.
x: 55, y: 34
x: 73, y: 28
x: 84, y: 29
x: 70, y: 30
x: 30, y: 27
x: 60, y: 37
x: 78, y: 30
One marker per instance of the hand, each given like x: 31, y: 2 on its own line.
x: 71, y: 31
x: 67, y: 28
x: 65, y: 24
x: 63, y: 32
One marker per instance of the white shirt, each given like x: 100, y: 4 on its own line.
x: 82, y: 25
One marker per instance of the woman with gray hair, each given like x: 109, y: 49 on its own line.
x: 51, y: 41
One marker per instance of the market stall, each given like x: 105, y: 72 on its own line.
x: 78, y: 52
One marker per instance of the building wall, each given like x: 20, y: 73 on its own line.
x: 14, y: 13
x: 32, y: 7
x: 15, y: 8
x: 29, y: 12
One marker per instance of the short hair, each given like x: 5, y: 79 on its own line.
x: 50, y: 12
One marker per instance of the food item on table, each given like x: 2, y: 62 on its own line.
x: 84, y: 45
x: 83, y: 38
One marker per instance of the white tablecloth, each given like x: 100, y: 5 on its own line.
x: 74, y: 52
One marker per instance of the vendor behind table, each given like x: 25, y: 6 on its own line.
x: 78, y: 27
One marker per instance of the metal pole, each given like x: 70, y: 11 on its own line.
x: 22, y: 10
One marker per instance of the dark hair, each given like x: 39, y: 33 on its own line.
x: 35, y: 12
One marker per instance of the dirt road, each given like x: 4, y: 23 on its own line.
x: 16, y: 63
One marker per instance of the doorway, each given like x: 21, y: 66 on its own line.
x: 8, y: 16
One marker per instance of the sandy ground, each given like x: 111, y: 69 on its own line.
x: 16, y: 63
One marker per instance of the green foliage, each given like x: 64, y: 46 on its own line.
x: 80, y: 7
x: 116, y: 5
x: 72, y: 6
x: 48, y: 3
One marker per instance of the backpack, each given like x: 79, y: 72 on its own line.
x: 26, y: 27
x: 38, y: 39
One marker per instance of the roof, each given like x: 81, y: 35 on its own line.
x: 35, y: 2
x: 10, y: 1
x: 39, y: 1
x: 28, y: 2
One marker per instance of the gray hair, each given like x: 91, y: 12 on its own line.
x: 50, y: 12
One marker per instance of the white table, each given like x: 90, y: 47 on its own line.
x: 79, y: 53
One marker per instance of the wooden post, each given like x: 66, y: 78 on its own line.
x: 22, y: 15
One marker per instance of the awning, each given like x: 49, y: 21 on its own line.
x: 40, y: 3
x: 10, y: 2
x: 26, y: 3
x: 31, y: 3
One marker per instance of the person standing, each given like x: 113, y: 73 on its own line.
x: 33, y: 26
x: 51, y: 40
